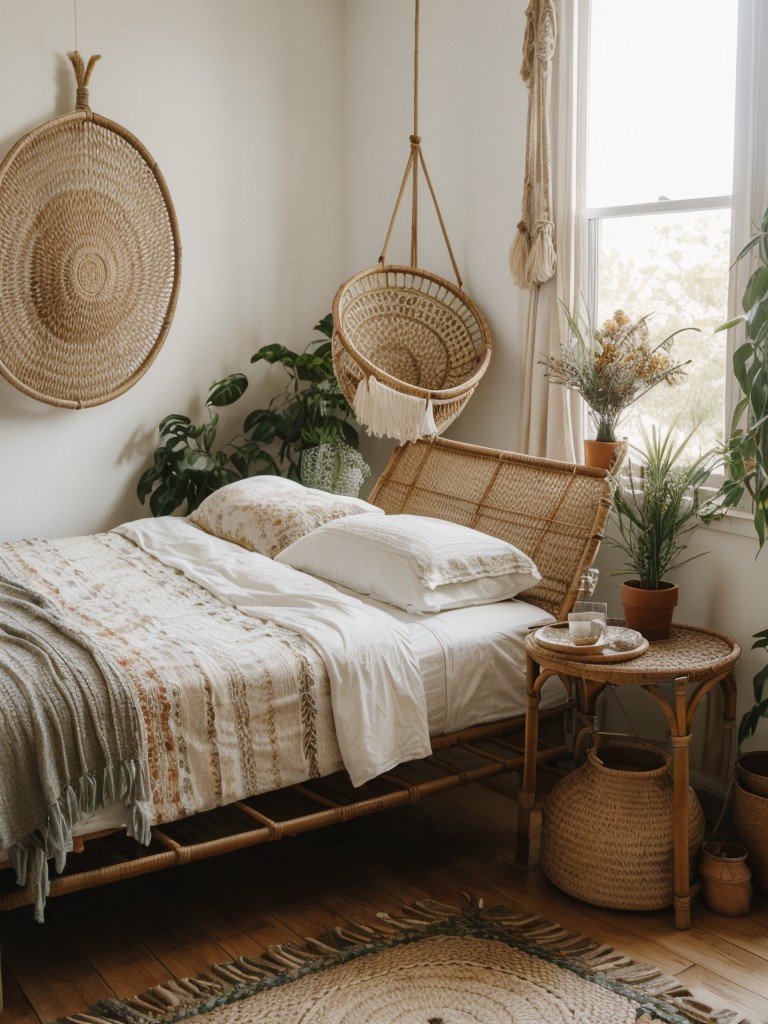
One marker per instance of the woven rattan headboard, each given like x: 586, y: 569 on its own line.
x: 554, y: 511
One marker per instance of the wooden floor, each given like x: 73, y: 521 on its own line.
x: 123, y: 938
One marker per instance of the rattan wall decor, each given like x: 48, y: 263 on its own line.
x: 90, y: 258
x: 409, y: 347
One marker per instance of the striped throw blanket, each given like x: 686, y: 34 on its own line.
x: 71, y: 739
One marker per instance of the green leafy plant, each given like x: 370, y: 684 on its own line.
x: 658, y: 501
x: 747, y: 453
x: 190, y: 462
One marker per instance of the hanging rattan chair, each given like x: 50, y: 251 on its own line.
x: 413, y: 332
x: 409, y: 347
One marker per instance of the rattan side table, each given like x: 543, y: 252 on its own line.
x: 693, y: 661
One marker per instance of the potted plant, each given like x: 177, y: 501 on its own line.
x: 611, y: 368
x: 189, y: 463
x: 747, y: 469
x: 659, y: 499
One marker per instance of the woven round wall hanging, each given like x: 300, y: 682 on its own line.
x: 90, y: 258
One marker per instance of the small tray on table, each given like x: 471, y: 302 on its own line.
x: 619, y: 643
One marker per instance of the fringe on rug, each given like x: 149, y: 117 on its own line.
x: 182, y: 998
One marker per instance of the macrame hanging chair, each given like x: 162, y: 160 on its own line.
x: 409, y: 347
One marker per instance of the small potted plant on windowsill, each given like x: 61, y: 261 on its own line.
x: 659, y: 499
x: 611, y: 368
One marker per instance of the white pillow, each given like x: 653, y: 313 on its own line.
x: 417, y: 563
x: 267, y: 513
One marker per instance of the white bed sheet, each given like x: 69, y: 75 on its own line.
x: 462, y: 688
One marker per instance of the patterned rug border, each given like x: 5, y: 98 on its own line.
x: 659, y: 996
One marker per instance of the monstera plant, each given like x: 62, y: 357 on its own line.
x: 190, y: 461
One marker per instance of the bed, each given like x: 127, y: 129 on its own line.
x: 277, y: 643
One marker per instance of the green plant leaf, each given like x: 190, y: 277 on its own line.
x: 751, y: 720
x: 196, y: 461
x: 175, y: 424
x: 275, y: 354
x: 757, y: 320
x: 325, y: 326
x: 728, y: 324
x: 261, y: 425
x: 228, y: 390
x: 756, y: 289
x: 759, y: 681
x: 146, y: 483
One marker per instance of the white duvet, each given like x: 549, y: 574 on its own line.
x: 378, y: 701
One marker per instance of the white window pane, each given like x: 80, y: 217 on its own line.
x: 661, y: 100
x: 674, y: 267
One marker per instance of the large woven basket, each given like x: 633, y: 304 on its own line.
x: 750, y: 822
x: 608, y: 827
x: 90, y: 258
x: 413, y: 332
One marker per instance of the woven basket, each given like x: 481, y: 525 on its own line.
x: 412, y: 331
x: 752, y: 771
x: 750, y: 823
x: 90, y: 260
x: 608, y: 828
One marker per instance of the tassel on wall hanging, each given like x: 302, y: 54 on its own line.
x: 409, y: 348
x: 90, y: 258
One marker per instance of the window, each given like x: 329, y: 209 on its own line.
x: 661, y: 100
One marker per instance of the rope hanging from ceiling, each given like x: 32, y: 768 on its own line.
x: 409, y: 347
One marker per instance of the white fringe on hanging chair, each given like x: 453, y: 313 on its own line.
x: 385, y: 412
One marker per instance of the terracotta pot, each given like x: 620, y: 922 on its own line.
x: 600, y: 454
x: 649, y: 611
x: 726, y: 881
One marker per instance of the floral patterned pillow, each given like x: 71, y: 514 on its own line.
x: 267, y: 513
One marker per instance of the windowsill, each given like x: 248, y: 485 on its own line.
x: 735, y: 522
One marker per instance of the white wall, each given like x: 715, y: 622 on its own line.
x: 472, y: 115
x: 241, y: 102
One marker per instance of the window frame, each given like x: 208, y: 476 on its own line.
x: 749, y: 198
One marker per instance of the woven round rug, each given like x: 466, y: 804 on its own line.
x: 90, y: 261
x: 437, y: 964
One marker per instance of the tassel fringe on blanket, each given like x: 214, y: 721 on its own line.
x: 71, y: 737
x: 126, y: 782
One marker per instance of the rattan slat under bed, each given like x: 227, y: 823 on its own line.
x: 459, y: 760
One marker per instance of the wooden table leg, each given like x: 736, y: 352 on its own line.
x: 680, y: 784
x: 527, y: 791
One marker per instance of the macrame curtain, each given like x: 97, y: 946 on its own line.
x: 533, y: 257
x: 549, y: 417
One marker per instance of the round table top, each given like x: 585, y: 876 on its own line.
x: 691, y: 651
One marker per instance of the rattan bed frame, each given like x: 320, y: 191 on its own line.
x: 554, y: 511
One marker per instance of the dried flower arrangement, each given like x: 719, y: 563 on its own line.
x: 613, y: 366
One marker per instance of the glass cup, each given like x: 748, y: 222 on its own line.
x: 586, y: 622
